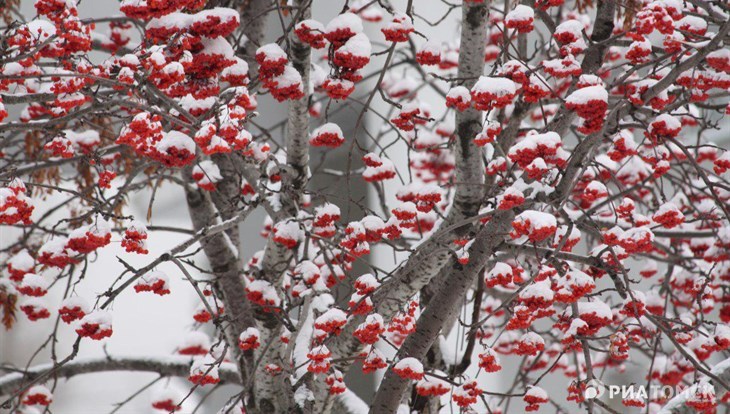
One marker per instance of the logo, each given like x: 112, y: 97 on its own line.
x: 594, y: 389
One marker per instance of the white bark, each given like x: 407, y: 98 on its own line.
x: 434, y: 254
x: 442, y: 307
x: 274, y: 393
x: 226, y: 266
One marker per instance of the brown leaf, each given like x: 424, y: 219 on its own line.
x: 582, y: 5
x: 629, y: 13
x: 8, y: 303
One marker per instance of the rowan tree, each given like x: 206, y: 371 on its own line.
x: 544, y: 177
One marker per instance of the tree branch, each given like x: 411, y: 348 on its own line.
x: 441, y: 308
x: 274, y: 393
x: 225, y: 264
x: 169, y: 366
x: 431, y: 257
x: 677, y: 405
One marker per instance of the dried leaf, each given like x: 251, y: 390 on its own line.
x: 8, y: 304
x: 582, y: 5
x: 629, y: 14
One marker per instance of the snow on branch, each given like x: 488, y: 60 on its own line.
x: 168, y: 366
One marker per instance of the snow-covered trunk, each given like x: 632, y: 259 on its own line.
x: 253, y: 14
x: 432, y: 256
x: 441, y: 309
x: 226, y: 267
x: 222, y: 250
x: 423, y: 265
x: 469, y: 173
x: 297, y: 127
x: 227, y: 191
x: 273, y: 393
